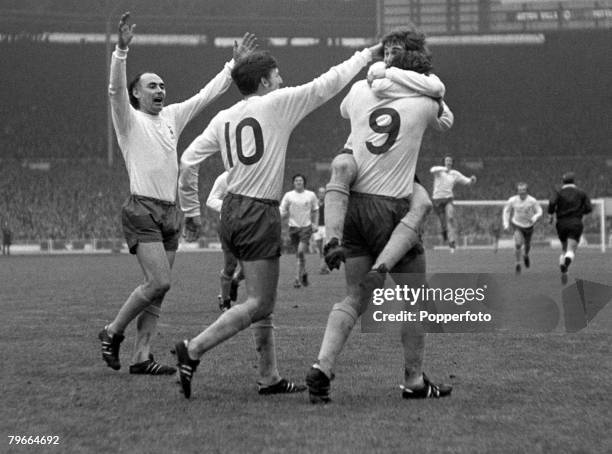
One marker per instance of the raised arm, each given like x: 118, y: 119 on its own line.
x: 436, y: 169
x: 462, y: 179
x: 187, y: 110
x: 295, y: 103
x: 117, y: 88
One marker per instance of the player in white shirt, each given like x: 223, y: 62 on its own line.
x: 395, y: 81
x: 386, y: 133
x: 301, y: 207
x: 445, y: 178
x: 521, y: 211
x: 252, y: 137
x: 148, y: 132
x: 231, y: 274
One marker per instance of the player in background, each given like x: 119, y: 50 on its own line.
x: 381, y: 77
x: 231, y: 274
x: 521, y: 211
x: 445, y: 178
x: 148, y: 132
x: 301, y: 207
x: 319, y: 234
x: 568, y: 204
x: 252, y: 137
x: 380, y: 197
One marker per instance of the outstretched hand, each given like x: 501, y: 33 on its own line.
x: 126, y: 31
x: 246, y: 47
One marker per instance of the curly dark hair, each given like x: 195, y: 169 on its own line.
x: 410, y: 38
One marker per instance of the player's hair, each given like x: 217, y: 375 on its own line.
x: 248, y: 71
x: 133, y: 99
x: 417, y: 56
x: 409, y: 37
x: 298, y: 175
x: 569, y: 178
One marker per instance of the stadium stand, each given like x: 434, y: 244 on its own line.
x: 514, y: 121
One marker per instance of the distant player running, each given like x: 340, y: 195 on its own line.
x: 569, y: 204
x: 302, y: 208
x: 231, y: 274
x: 522, y: 211
x: 252, y: 137
x: 445, y: 178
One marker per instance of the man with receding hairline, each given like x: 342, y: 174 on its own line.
x: 148, y: 133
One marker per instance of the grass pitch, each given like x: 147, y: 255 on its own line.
x: 513, y: 392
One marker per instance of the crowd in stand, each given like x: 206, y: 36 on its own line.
x: 80, y: 196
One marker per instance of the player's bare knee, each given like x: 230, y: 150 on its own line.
x: 157, y: 288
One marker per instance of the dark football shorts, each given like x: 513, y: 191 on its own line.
x: 148, y: 220
x: 250, y: 228
x: 439, y: 205
x: 527, y: 232
x: 569, y: 228
x: 299, y: 235
x: 369, y: 223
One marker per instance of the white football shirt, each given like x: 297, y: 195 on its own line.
x: 387, y: 126
x: 148, y: 142
x: 445, y: 180
x: 300, y: 206
x: 252, y: 136
x: 525, y: 213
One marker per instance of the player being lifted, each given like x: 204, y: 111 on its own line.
x: 406, y: 234
x: 231, y: 274
x: 302, y: 208
x: 148, y: 132
x: 252, y: 137
x: 445, y: 178
x: 569, y: 204
x: 521, y: 211
x: 386, y: 132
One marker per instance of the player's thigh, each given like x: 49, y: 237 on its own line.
x: 518, y: 237
x: 261, y: 278
x: 153, y: 259
x: 356, y: 269
x: 449, y: 211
